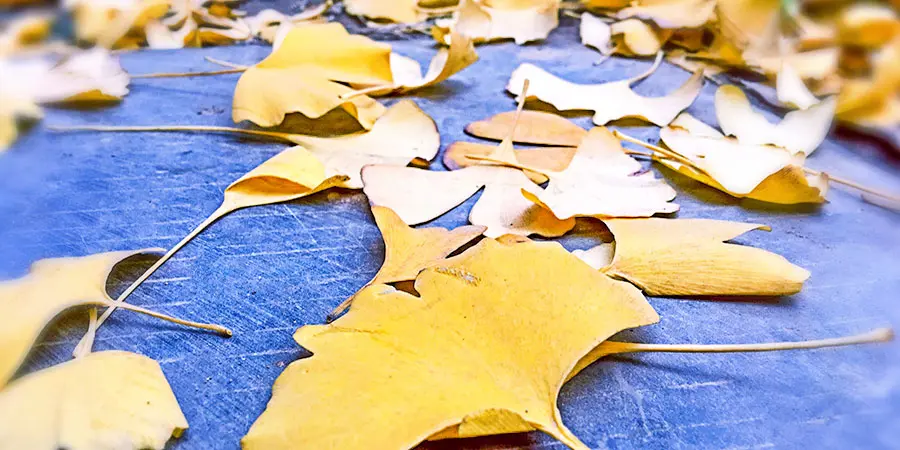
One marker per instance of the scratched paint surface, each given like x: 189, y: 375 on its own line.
x: 266, y: 271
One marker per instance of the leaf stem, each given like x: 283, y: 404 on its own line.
x: 185, y: 74
x: 854, y: 185
x: 228, y: 64
x: 877, y: 335
x: 203, y: 326
x: 176, y: 128
x: 87, y: 341
x: 655, y: 148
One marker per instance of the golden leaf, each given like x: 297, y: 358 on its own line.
x: 478, y: 309
x: 465, y: 154
x: 491, y: 20
x: 637, y: 37
x: 676, y: 257
x: 22, y: 32
x: 418, y: 196
x: 761, y: 172
x: 799, y: 131
x: 671, y: 14
x: 265, y: 24
x: 400, y: 11
x: 791, y: 91
x: 535, y: 127
x: 114, y: 23
x: 110, y: 399
x: 609, y: 101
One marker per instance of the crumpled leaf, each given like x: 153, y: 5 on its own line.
x: 110, y: 399
x: 51, y: 286
x: 408, y: 250
x: 596, y: 33
x: 760, y: 172
x: 791, y: 91
x: 114, y: 23
x: 671, y: 14
x: 302, y: 74
x: 478, y: 309
x: 609, y: 101
x: 601, y: 180
x: 799, y: 131
x: 490, y: 20
x: 675, y: 257
x: 418, y: 196
x: 20, y: 33
x: 535, y: 127
x: 408, y: 74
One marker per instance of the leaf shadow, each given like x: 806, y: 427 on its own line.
x: 504, y: 441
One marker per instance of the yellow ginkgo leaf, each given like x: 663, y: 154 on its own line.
x: 52, y: 286
x: 609, y: 101
x: 22, y: 32
x: 109, y: 23
x: 675, y: 257
x: 89, y: 76
x: 535, y: 127
x: 266, y: 96
x: 407, y: 251
x: 400, y: 11
x: 744, y: 22
x: 760, y: 172
x: 491, y: 20
x: 418, y: 196
x: 637, y: 37
x: 110, y: 399
x: 333, y: 53
x: 596, y: 33
x: 869, y: 25
x: 799, y: 131
x: 476, y: 310
x: 671, y: 14
x: 190, y: 23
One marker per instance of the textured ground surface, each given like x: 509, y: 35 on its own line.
x: 266, y: 271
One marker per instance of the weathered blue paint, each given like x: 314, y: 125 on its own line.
x: 266, y: 271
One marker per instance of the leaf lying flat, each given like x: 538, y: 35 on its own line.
x: 491, y: 20
x: 418, y: 196
x: 52, y: 286
x: 400, y: 11
x: 760, y: 172
x: 109, y: 399
x: 672, y: 14
x: 677, y: 257
x: 477, y: 310
x: 609, y: 101
x: 534, y: 127
x: 798, y: 132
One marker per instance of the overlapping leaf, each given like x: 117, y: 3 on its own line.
x: 490, y: 20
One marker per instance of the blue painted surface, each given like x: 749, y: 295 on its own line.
x: 268, y: 270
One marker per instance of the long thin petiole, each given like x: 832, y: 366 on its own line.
x: 185, y: 74
x: 231, y: 65
x: 87, y: 341
x: 854, y: 185
x: 655, y: 148
x: 175, y: 128
x: 877, y: 335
